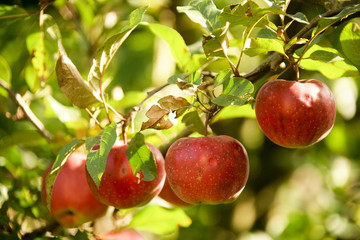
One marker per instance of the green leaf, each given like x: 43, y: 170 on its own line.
x: 228, y: 112
x: 299, y: 17
x: 235, y: 92
x: 261, y: 45
x: 317, y: 58
x: 178, y: 47
x: 350, y: 42
x: 222, y: 77
x: 326, y: 22
x: 97, y: 151
x: 248, y: 13
x: 216, y: 44
x: 266, y: 33
x: 203, y: 12
x: 240, y: 14
x: 141, y: 158
x: 162, y: 221
x: 61, y: 159
x: 5, y: 75
x: 79, y: 92
x: 193, y: 120
x: 105, y: 54
x: 190, y: 84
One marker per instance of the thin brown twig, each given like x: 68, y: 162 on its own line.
x: 16, y: 97
x: 26, y: 14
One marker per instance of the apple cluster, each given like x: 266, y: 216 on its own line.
x: 195, y: 170
x: 204, y: 170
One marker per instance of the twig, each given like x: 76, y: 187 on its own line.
x: 26, y: 14
x: 28, y: 113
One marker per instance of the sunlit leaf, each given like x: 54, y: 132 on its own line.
x: 350, y: 42
x: 299, y: 17
x: 203, y: 12
x: 61, y: 159
x: 141, y: 158
x: 216, y: 44
x: 317, y: 59
x: 235, y: 92
x: 5, y: 74
x: 223, y: 76
x: 162, y: 221
x: 105, y: 54
x: 79, y: 92
x: 228, y: 112
x: 326, y: 22
x: 190, y: 84
x: 261, y: 45
x: 35, y: 44
x: 179, y: 50
x: 97, y: 151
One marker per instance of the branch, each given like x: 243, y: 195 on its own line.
x: 28, y: 113
x: 275, y: 59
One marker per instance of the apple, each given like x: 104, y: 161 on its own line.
x: 209, y: 170
x: 127, y: 234
x: 295, y: 113
x: 169, y: 195
x: 119, y: 187
x: 72, y: 202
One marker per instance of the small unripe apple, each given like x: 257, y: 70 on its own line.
x: 209, y: 170
x: 127, y: 234
x: 169, y: 195
x: 72, y: 202
x: 295, y: 113
x: 119, y: 187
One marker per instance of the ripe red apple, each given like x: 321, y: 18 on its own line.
x: 295, y: 113
x: 169, y: 195
x: 72, y: 202
x: 208, y: 170
x: 119, y: 187
x: 127, y: 234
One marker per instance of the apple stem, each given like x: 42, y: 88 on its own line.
x: 296, y: 66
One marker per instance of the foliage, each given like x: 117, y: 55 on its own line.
x: 75, y: 75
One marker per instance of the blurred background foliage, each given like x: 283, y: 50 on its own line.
x: 292, y: 194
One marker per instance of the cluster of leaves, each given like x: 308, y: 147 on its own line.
x: 230, y: 33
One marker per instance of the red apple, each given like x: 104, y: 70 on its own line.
x: 72, y: 202
x: 208, y: 170
x: 169, y: 195
x: 295, y: 113
x: 127, y: 234
x: 119, y: 187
